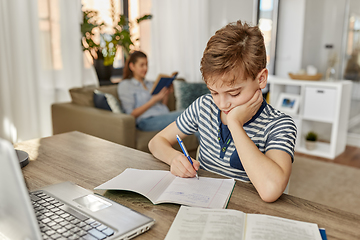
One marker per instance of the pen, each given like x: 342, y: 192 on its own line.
x: 185, y: 151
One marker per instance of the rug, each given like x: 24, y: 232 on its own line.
x: 326, y: 183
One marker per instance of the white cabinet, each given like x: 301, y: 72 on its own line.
x: 319, y: 103
x: 323, y: 108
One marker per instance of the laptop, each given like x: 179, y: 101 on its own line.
x: 60, y: 211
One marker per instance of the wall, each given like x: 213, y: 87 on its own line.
x: 226, y: 11
x: 324, y: 24
x: 290, y: 37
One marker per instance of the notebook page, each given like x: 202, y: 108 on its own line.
x: 202, y: 192
x: 201, y: 223
x: 269, y: 227
x: 149, y: 183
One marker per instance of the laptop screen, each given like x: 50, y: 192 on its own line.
x: 17, y: 217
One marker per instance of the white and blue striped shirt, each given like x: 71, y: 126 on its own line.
x: 268, y: 129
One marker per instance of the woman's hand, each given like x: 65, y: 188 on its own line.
x: 243, y: 113
x: 161, y: 95
x: 181, y: 167
x: 153, y: 100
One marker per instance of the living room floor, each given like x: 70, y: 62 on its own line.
x: 350, y: 157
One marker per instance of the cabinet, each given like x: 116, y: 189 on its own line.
x: 323, y: 107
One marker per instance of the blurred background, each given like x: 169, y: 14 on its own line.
x: 43, y: 56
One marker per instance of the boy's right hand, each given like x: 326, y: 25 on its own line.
x: 181, y: 167
x: 246, y: 111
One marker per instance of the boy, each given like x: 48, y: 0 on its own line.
x: 241, y: 136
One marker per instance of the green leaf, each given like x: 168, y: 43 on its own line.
x: 121, y: 36
x: 145, y: 17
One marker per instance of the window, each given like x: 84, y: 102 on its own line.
x: 49, y: 26
x: 352, y: 55
x: 267, y: 21
x: 108, y: 13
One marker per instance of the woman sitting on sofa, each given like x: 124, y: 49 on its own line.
x: 150, y: 111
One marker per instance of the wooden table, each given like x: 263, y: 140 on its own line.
x: 89, y: 161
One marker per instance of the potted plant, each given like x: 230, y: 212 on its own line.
x: 102, y: 41
x: 311, y: 138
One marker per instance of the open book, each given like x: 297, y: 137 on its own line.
x: 163, y: 187
x: 201, y: 223
x: 162, y: 81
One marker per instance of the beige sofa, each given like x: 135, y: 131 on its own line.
x: 81, y: 115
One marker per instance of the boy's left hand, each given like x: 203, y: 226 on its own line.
x: 246, y: 111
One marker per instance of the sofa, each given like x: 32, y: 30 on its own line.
x: 81, y: 115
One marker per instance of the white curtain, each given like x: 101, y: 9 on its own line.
x: 179, y: 33
x: 33, y: 72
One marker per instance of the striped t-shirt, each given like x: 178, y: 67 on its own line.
x: 268, y: 129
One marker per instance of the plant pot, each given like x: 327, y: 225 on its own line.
x: 103, y: 72
x: 310, y: 145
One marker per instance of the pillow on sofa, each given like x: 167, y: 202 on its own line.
x: 83, y: 96
x: 106, y: 101
x: 186, y: 93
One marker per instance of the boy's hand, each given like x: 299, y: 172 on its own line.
x: 181, y: 167
x: 246, y: 111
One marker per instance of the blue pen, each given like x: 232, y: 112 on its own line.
x: 185, y: 151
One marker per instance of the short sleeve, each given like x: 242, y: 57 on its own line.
x: 127, y: 96
x: 282, y: 136
x: 188, y: 121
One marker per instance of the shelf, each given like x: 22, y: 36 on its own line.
x: 322, y: 150
x: 317, y: 119
x: 323, y: 108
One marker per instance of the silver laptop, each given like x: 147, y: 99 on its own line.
x: 61, y: 211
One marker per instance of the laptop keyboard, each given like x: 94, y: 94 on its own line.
x: 59, y: 221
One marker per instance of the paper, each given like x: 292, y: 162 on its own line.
x: 162, y: 187
x: 216, y: 224
x: 200, y: 223
x: 268, y: 227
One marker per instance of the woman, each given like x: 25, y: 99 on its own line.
x: 150, y: 111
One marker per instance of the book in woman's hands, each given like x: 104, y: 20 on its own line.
x: 162, y: 81
x: 200, y: 223
x: 163, y: 187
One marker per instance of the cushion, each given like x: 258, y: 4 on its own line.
x: 112, y: 89
x: 83, y: 96
x: 106, y: 101
x: 186, y: 93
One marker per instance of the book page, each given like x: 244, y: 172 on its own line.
x: 202, y: 192
x: 201, y: 223
x: 149, y: 183
x: 268, y: 227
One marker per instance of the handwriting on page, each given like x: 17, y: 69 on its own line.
x: 191, y: 197
x: 161, y: 186
x: 190, y: 191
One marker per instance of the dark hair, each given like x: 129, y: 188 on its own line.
x: 133, y: 57
x: 234, y: 48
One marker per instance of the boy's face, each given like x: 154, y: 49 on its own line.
x: 227, y: 97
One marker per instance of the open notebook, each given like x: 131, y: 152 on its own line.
x: 163, y: 187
